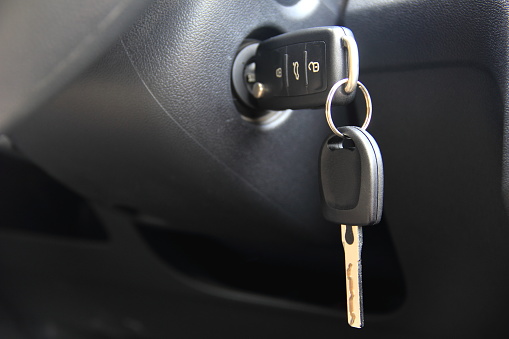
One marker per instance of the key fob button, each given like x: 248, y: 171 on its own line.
x: 316, y: 69
x: 273, y: 72
x: 277, y: 78
x: 296, y: 69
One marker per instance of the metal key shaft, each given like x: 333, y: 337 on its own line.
x: 351, y: 237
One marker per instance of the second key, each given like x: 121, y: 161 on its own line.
x: 351, y: 176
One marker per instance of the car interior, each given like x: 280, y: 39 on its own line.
x: 152, y: 187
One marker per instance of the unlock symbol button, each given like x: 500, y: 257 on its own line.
x: 314, y: 66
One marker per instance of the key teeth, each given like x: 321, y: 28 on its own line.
x: 353, y: 274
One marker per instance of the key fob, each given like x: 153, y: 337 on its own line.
x: 351, y: 176
x: 297, y: 70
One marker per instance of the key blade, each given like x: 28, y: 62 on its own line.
x: 351, y: 237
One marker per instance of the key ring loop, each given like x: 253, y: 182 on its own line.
x: 353, y: 62
x: 328, y: 104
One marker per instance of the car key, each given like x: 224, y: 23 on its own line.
x: 296, y: 70
x: 351, y: 176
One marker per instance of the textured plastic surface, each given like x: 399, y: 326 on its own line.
x: 162, y: 128
x: 45, y: 44
x: 352, y: 180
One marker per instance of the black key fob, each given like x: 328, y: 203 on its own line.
x: 298, y: 69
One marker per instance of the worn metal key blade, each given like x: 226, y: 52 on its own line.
x: 351, y: 237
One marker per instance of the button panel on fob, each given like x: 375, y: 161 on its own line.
x: 298, y: 69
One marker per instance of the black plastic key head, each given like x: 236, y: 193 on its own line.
x: 351, y: 177
x: 298, y: 69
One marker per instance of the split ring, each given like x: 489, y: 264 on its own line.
x: 328, y: 105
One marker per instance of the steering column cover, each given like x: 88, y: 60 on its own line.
x: 45, y: 44
x: 153, y: 126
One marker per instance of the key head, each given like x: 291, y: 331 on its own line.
x: 351, y: 177
x: 298, y: 69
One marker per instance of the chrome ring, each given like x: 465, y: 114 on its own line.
x: 328, y: 105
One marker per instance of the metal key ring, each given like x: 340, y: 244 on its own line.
x: 328, y: 104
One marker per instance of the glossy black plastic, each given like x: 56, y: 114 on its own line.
x: 352, y: 179
x: 298, y: 69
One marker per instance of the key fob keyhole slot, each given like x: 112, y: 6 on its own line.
x: 337, y: 143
